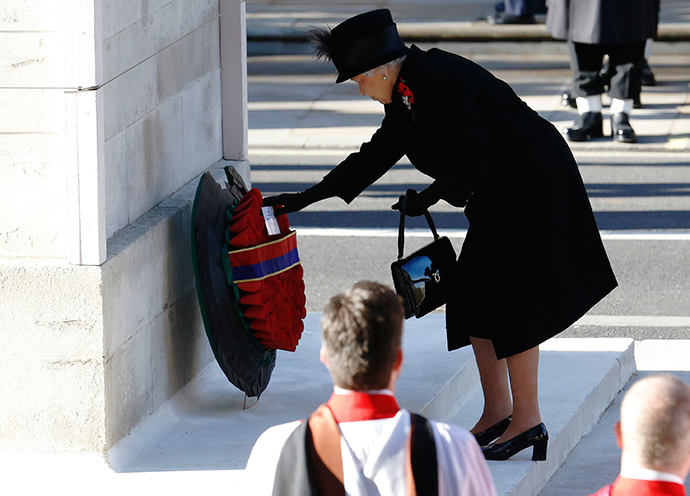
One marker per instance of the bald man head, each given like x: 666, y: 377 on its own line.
x: 654, y: 427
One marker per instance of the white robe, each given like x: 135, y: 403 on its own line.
x: 374, y: 454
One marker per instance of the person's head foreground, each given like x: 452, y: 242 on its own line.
x: 361, y: 333
x: 365, y: 48
x: 654, y: 427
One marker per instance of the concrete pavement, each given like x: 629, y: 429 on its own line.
x: 316, y: 114
x: 418, y: 20
x: 278, y: 27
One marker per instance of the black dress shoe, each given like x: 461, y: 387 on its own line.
x: 537, y: 437
x: 587, y: 126
x: 568, y: 100
x: 492, y: 433
x: 621, y: 129
x: 648, y: 78
x: 503, y: 18
x: 637, y: 101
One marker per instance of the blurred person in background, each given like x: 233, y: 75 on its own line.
x: 654, y: 437
x: 595, y: 29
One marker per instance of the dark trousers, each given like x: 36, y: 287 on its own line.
x: 623, y: 76
x: 525, y: 7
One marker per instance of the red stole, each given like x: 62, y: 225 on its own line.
x: 325, y: 459
x: 638, y: 487
x: 356, y: 406
x: 323, y: 449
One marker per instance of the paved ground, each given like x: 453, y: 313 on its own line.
x: 595, y: 461
x: 421, y: 19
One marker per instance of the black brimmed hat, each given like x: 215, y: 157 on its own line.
x: 363, y: 43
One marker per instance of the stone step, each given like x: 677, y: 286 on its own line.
x: 203, y: 436
x: 206, y: 428
x: 578, y: 380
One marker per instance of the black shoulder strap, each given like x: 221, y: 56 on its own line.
x: 423, y: 455
x: 294, y: 477
x: 310, y: 463
x: 292, y: 472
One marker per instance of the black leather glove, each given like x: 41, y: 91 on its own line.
x: 417, y: 203
x: 293, y: 202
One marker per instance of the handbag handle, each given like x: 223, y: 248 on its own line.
x: 401, y: 229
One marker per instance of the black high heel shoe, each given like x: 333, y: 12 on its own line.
x: 492, y: 433
x: 537, y: 436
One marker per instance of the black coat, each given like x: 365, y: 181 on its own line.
x: 597, y: 22
x: 532, y: 261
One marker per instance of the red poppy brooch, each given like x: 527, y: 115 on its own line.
x: 407, y: 96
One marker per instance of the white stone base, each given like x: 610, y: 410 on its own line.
x: 89, y: 352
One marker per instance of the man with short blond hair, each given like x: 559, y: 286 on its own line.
x: 361, y: 441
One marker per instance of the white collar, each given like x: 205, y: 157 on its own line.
x: 339, y: 390
x: 650, y: 475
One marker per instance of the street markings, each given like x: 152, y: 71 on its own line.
x: 461, y: 233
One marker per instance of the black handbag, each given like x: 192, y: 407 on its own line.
x: 421, y: 278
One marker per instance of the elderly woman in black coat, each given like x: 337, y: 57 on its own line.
x: 532, y: 262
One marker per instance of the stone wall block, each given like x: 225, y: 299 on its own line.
x: 198, y: 53
x: 170, y: 80
x: 120, y: 14
x: 180, y: 348
x: 128, y: 388
x: 135, y: 92
x: 151, y: 367
x: 51, y: 357
x: 133, y: 280
x: 20, y: 15
x: 50, y: 307
x: 204, y: 52
x: 156, y: 29
x: 33, y: 199
x: 149, y: 269
x: 33, y: 190
x: 30, y: 147
x: 117, y: 190
x: 81, y: 27
x: 34, y: 111
x: 52, y: 404
x: 157, y: 166
x: 129, y: 97
x: 203, y: 139
x: 30, y: 60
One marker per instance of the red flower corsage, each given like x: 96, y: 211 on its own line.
x: 404, y: 90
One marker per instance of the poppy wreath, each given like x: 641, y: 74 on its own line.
x: 242, y: 342
x: 265, y: 274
